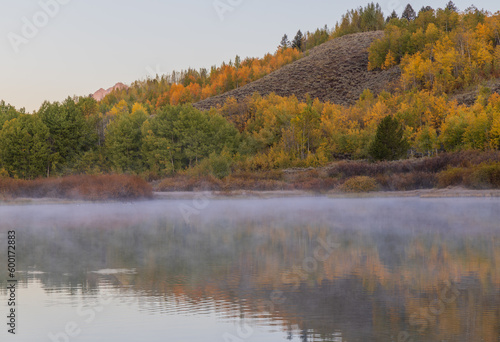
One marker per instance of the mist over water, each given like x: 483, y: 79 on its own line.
x: 301, y: 269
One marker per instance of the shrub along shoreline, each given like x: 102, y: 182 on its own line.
x: 468, y: 169
x: 80, y: 187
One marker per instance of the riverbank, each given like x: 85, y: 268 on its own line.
x: 467, y: 169
x: 76, y: 187
x: 451, y: 192
x: 462, y: 174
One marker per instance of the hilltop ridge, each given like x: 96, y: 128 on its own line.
x: 336, y: 71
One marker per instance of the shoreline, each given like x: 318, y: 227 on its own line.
x: 451, y: 192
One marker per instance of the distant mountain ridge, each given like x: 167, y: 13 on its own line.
x: 101, y: 93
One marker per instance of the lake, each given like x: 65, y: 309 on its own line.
x: 238, y: 270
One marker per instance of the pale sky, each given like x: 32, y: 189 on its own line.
x: 75, y: 47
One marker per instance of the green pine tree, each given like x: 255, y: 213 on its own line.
x: 409, y: 13
x: 298, y: 41
x: 389, y: 143
x: 285, y: 43
x: 452, y: 7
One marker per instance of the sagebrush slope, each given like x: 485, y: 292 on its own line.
x: 336, y: 71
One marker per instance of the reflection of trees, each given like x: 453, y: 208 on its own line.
x: 371, y: 284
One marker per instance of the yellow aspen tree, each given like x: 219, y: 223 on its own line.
x: 119, y: 109
x: 390, y: 61
x: 496, y: 61
x: 494, y: 112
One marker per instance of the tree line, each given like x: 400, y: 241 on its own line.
x: 74, y: 137
x: 440, y: 50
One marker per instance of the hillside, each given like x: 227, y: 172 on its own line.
x: 336, y: 71
x: 441, y: 70
x: 468, y: 97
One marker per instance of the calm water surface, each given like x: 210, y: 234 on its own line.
x: 304, y: 269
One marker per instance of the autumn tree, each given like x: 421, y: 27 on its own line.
x: 425, y: 16
x: 453, y: 131
x: 302, y: 135
x: 426, y: 139
x: 448, y: 19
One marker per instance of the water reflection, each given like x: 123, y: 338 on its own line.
x: 298, y: 269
